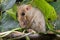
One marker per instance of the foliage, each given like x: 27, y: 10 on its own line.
x: 8, y: 20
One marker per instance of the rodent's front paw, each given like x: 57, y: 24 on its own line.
x: 31, y: 30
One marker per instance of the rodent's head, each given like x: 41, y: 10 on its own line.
x: 23, y: 16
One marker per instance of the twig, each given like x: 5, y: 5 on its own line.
x: 3, y: 34
x: 22, y: 36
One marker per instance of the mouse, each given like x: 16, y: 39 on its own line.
x: 30, y: 17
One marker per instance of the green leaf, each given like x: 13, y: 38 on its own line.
x: 8, y: 4
x: 9, y: 17
x: 50, y: 0
x: 56, y: 5
x: 8, y: 23
x: 12, y: 12
x: 46, y: 8
x: 27, y: 38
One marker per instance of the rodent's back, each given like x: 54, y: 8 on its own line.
x: 38, y: 21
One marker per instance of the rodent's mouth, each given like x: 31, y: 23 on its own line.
x: 23, y: 24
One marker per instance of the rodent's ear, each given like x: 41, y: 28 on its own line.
x: 28, y: 7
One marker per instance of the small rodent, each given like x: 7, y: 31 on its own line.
x: 31, y: 18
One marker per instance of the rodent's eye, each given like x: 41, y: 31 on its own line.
x: 23, y: 14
